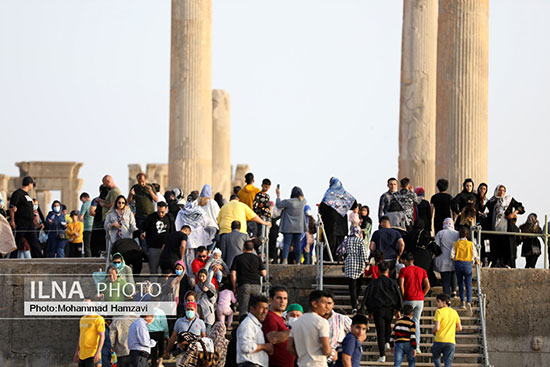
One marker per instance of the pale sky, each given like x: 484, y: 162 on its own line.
x: 314, y: 89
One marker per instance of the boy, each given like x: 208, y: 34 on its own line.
x: 350, y: 355
x: 261, y: 207
x: 446, y: 324
x: 75, y: 234
x: 403, y: 338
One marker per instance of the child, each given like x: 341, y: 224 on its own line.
x: 350, y: 355
x: 216, y: 259
x: 205, y: 293
x: 309, y: 239
x: 225, y: 299
x: 463, y: 253
x: 403, y: 340
x: 75, y: 233
x: 372, y: 268
x: 354, y: 218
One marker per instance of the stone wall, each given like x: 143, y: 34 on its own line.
x: 518, y: 326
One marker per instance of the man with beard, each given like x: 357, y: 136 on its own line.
x: 275, y: 329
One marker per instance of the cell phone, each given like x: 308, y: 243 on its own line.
x: 278, y: 186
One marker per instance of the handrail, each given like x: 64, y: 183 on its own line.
x: 319, y: 246
x: 264, y: 253
x: 481, y: 298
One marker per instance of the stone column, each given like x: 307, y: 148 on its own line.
x: 418, y: 93
x: 221, y: 143
x: 190, y: 151
x: 462, y: 91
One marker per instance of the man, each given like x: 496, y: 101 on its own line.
x: 407, y: 198
x: 144, y: 196
x: 190, y: 323
x: 174, y: 248
x: 90, y: 342
x: 275, y: 329
x: 88, y: 221
x: 389, y: 241
x: 383, y: 300
x: 118, y: 334
x: 139, y: 341
x: 246, y: 270
x: 252, y: 350
x: 414, y: 285
x: 446, y: 324
x: 22, y: 217
x: 235, y: 210
x: 231, y: 244
x: 109, y: 200
x: 200, y: 262
x: 262, y: 207
x: 339, y: 325
x: 155, y: 228
x: 309, y: 336
x: 248, y: 193
x: 385, y: 198
x: 98, y: 239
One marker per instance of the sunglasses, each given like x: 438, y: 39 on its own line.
x: 202, y: 256
x: 121, y: 202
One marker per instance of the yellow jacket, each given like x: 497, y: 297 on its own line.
x: 75, y: 231
x: 464, y: 250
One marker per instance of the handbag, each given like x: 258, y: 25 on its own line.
x: 61, y: 235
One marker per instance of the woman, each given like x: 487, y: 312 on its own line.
x: 334, y: 209
x: 445, y: 239
x: 355, y: 264
x: 467, y: 217
x: 483, y: 219
x: 293, y: 222
x: 465, y: 197
x: 503, y: 210
x: 119, y: 221
x: 55, y: 225
x: 531, y: 247
x: 418, y: 242
x: 217, y: 334
x: 423, y: 210
x: 366, y: 222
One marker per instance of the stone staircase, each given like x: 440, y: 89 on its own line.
x: 468, y: 351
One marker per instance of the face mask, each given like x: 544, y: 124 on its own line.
x: 179, y: 272
x: 118, y: 265
x: 291, y: 320
x: 190, y: 314
x: 35, y: 207
x: 57, y: 209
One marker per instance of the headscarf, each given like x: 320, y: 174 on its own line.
x: 337, y: 197
x: 296, y: 192
x: 206, y: 191
x: 179, y: 262
x: 365, y: 218
x: 464, y: 185
x: 420, y: 191
x: 308, y: 211
x: 448, y: 223
x: 217, y: 334
x: 355, y: 231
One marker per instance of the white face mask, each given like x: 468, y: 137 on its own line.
x: 292, y: 320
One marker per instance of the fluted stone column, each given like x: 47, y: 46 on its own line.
x: 418, y: 93
x: 221, y: 142
x: 462, y: 91
x: 190, y: 154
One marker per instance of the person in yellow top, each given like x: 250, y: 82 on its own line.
x: 463, y: 253
x: 235, y: 210
x: 90, y: 342
x: 75, y: 234
x: 446, y: 324
x: 248, y: 193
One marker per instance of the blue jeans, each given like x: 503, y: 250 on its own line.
x: 464, y: 276
x: 448, y: 350
x: 417, y: 309
x: 294, y: 240
x: 448, y: 278
x: 23, y: 254
x: 399, y: 352
x: 55, y: 246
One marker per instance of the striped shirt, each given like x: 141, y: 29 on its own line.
x: 403, y: 332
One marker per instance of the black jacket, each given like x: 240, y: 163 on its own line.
x: 383, y: 292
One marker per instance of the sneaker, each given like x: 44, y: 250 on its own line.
x: 387, y: 347
x: 462, y: 305
x: 381, y: 359
x: 469, y: 309
x: 454, y: 295
x: 354, y: 311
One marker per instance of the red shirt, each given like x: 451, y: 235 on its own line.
x: 373, y: 271
x: 414, y: 276
x: 280, y: 357
x: 197, y: 265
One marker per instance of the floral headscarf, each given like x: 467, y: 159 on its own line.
x: 217, y: 334
x: 337, y: 197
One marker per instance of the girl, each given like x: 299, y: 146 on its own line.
x: 225, y: 299
x: 463, y: 253
x: 206, y: 295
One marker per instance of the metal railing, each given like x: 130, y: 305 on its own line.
x: 321, y: 242
x: 264, y: 254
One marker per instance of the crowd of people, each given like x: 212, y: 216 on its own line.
x: 207, y: 253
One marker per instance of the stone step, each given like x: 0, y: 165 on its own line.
x: 417, y: 364
x: 429, y: 345
x: 460, y: 336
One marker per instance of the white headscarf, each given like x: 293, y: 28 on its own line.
x: 499, y: 219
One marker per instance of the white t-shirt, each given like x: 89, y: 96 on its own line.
x: 307, y: 331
